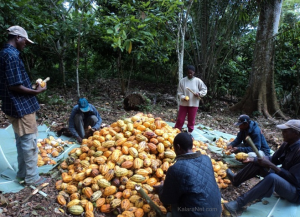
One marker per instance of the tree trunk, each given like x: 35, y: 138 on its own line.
x: 62, y: 71
x: 121, y: 74
x: 133, y: 101
x: 183, y: 18
x: 204, y: 17
x: 260, y: 95
x: 78, y: 57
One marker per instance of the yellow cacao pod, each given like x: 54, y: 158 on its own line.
x: 115, y: 203
x: 73, y: 202
x: 137, y: 178
x: 95, y: 196
x: 103, y: 183
x: 76, y: 210
x: 121, y: 172
x: 170, y: 154
x: 110, y: 190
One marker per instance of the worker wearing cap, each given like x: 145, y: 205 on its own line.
x: 249, y: 128
x: 284, y: 180
x: 20, y: 104
x: 82, y: 116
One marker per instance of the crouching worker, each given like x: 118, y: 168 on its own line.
x: 190, y: 186
x: 82, y: 116
x: 285, y: 180
x: 249, y: 128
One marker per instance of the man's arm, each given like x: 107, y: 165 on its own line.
x: 22, y: 89
x: 256, y: 138
x: 202, y: 88
x: 238, y: 140
x: 245, y: 149
x: 98, y: 124
x: 180, y: 90
x: 292, y: 175
x: 170, y: 192
x: 275, y: 157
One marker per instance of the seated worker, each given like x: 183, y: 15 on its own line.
x: 82, y: 116
x: 190, y: 186
x: 251, y: 129
x: 285, y: 180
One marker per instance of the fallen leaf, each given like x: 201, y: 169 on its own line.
x: 265, y: 202
x: 3, y: 200
x: 34, y: 213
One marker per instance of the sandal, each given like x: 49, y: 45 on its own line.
x: 40, y: 181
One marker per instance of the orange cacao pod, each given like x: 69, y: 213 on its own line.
x: 61, y: 200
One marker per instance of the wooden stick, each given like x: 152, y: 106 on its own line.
x: 192, y: 92
x: 40, y: 192
x: 47, y: 79
x: 35, y: 191
x: 140, y: 190
x: 250, y: 142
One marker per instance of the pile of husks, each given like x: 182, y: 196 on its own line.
x: 104, y: 172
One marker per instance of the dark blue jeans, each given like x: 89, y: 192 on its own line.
x: 265, y: 188
x: 82, y: 123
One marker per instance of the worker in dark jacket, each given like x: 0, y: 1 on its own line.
x: 190, y: 186
x: 82, y: 116
x: 284, y: 180
x: 251, y: 129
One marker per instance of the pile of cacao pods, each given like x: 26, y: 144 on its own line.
x: 220, y: 173
x: 49, y: 148
x: 103, y: 172
x: 222, y: 143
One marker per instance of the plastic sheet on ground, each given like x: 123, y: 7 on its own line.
x: 8, y: 157
x: 210, y: 136
x: 275, y: 207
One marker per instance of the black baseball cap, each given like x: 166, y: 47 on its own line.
x: 242, y: 119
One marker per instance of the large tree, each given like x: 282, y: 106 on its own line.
x: 260, y: 95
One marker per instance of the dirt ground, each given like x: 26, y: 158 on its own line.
x: 106, y: 98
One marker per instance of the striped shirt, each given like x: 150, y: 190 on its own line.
x: 13, y: 73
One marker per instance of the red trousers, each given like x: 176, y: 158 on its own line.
x: 183, y: 111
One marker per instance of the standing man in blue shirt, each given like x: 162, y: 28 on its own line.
x: 20, y: 104
x: 82, y: 116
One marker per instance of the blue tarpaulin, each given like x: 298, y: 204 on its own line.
x: 275, y: 207
x: 8, y: 157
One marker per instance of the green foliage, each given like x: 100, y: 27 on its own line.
x: 51, y: 99
x: 147, y: 106
x: 287, y: 65
x: 136, y: 40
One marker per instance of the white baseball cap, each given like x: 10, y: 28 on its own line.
x: 18, y: 30
x: 294, y: 124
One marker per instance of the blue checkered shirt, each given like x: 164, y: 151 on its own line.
x: 12, y: 73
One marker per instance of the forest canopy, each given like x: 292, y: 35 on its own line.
x: 137, y: 40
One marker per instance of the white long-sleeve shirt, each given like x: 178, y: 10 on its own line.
x: 196, y: 85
